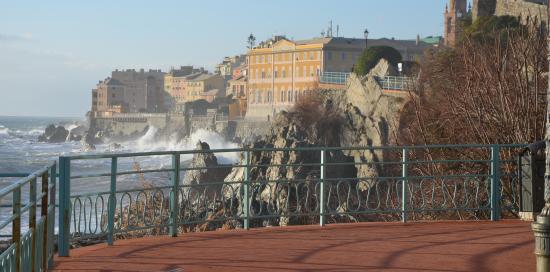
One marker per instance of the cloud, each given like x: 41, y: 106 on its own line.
x: 16, y: 38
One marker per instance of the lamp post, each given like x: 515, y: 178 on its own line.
x: 541, y: 227
x: 366, y: 33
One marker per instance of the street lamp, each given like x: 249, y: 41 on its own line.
x: 541, y: 227
x: 366, y: 37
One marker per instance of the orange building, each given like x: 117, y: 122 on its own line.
x: 281, y: 71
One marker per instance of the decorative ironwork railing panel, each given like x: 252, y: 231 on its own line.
x: 408, y: 183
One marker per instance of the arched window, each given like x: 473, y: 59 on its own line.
x: 290, y: 96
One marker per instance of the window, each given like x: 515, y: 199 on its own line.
x: 276, y: 73
x: 311, y: 73
x: 284, y: 73
x: 282, y: 96
x: 290, y: 96
x: 263, y: 73
x: 312, y: 55
x: 343, y: 55
x: 305, y: 55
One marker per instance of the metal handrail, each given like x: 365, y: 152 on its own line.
x: 33, y: 249
x: 399, y: 191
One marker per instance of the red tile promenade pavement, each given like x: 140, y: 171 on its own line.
x: 431, y: 246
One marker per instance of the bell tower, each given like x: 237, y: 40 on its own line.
x: 454, y: 12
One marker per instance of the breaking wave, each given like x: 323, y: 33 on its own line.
x: 152, y: 141
x: 4, y: 130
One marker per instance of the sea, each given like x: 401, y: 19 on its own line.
x: 21, y: 152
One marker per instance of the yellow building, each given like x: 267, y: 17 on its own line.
x: 281, y: 71
x: 183, y: 87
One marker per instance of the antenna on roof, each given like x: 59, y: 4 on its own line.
x: 337, y: 30
x: 329, y: 31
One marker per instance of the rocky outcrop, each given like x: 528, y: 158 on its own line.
x: 369, y: 117
x: 54, y: 134
x: 205, y: 171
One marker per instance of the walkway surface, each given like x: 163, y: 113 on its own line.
x: 433, y: 246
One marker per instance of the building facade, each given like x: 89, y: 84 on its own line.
x: 238, y: 89
x: 183, y: 87
x: 281, y: 71
x: 454, y: 13
x: 130, y: 91
x: 228, y: 65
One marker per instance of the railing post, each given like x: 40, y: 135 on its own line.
x: 64, y: 205
x: 246, y: 188
x: 174, y: 196
x: 112, y: 202
x: 32, y: 221
x: 495, y: 183
x: 16, y: 226
x: 322, y: 203
x: 44, y: 214
x: 404, y: 188
x: 51, y: 217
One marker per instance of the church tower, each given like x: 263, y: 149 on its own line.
x: 454, y: 12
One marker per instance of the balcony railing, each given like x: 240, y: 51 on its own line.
x: 411, y: 183
x: 398, y: 83
x: 31, y: 238
x: 336, y: 78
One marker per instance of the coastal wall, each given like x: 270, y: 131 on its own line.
x: 129, y: 125
x: 121, y: 126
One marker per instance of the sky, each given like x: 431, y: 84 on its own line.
x: 52, y: 53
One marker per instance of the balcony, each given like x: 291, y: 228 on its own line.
x: 391, y: 83
x: 414, y: 210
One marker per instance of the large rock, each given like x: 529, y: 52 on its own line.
x: 76, y: 133
x: 54, y: 134
x: 207, y: 175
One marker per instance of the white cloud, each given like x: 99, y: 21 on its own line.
x: 25, y: 37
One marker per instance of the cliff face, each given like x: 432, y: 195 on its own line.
x: 370, y: 117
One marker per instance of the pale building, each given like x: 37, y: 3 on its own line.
x: 130, y: 91
x: 281, y: 71
x: 228, y: 65
x: 191, y: 87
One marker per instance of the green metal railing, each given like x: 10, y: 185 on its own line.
x: 337, y: 78
x: 328, y: 185
x: 31, y: 248
x: 397, y: 83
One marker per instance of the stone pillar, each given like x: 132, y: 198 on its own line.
x: 541, y: 227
